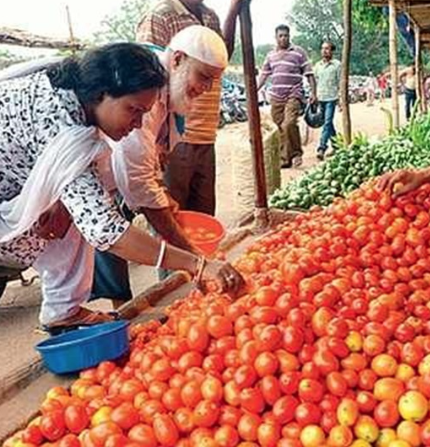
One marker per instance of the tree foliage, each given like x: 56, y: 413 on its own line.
x: 121, y: 26
x: 316, y: 20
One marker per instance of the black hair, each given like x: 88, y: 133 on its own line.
x: 282, y: 28
x: 116, y: 70
x: 329, y: 42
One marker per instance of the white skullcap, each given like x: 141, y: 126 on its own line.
x: 203, y: 44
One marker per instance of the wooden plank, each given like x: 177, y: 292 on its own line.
x: 233, y: 239
x: 20, y: 409
x: 20, y: 378
x: 151, y: 296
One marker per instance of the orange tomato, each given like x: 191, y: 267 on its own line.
x: 384, y: 365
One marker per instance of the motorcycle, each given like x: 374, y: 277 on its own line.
x: 233, y: 108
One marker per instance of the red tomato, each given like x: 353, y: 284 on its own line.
x: 310, y: 390
x: 143, y: 434
x: 252, y: 400
x: 366, y: 401
x: 266, y: 364
x: 336, y: 384
x: 270, y: 389
x: 226, y: 436
x: 289, y: 382
x: 70, y: 440
x: 165, y: 430
x: 307, y: 414
x: 52, y: 425
x: 198, y: 338
x: 205, y: 414
x: 32, y: 435
x: 386, y: 413
x: 268, y: 434
x: 269, y: 339
x: 284, y: 409
x: 248, y: 427
x: 76, y: 418
x: 100, y: 433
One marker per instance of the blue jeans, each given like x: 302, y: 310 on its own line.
x: 410, y: 100
x: 111, y: 277
x: 328, y: 131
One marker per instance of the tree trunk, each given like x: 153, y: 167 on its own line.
x: 393, y: 63
x: 344, y: 83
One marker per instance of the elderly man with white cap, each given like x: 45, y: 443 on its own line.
x: 190, y: 170
x: 193, y: 60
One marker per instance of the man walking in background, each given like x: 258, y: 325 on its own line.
x: 408, y: 78
x: 287, y: 65
x: 327, y: 74
x: 190, y: 169
x: 371, y: 85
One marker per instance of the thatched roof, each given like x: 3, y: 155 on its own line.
x: 21, y: 38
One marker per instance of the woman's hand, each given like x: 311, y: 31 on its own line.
x: 401, y: 182
x: 224, y: 274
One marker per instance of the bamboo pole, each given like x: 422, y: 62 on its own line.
x: 69, y: 23
x: 344, y: 82
x: 393, y: 62
x: 256, y: 140
x: 419, y: 69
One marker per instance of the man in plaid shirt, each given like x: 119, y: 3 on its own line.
x: 190, y: 171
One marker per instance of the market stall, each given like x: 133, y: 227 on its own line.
x: 328, y: 344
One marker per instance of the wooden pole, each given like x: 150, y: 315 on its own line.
x: 344, y: 82
x: 256, y: 140
x: 393, y: 62
x: 69, y: 23
x: 419, y: 69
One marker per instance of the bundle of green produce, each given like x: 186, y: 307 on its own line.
x: 353, y: 165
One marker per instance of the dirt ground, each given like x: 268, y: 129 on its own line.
x: 19, y: 306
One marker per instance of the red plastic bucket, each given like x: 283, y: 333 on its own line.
x: 204, y: 231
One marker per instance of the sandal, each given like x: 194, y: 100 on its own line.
x: 84, y: 317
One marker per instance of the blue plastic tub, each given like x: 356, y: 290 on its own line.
x: 84, y: 348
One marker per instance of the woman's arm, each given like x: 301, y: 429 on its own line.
x: 137, y: 246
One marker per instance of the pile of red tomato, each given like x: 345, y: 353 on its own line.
x: 330, y: 346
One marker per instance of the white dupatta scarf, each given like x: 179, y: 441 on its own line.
x: 64, y: 159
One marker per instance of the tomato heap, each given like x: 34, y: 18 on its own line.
x: 330, y: 346
x: 199, y: 234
